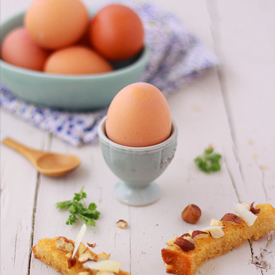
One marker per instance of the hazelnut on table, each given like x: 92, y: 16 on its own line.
x: 191, y: 213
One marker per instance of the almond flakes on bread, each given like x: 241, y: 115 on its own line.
x: 57, y: 252
x: 185, y: 254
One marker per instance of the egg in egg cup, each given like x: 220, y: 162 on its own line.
x: 137, y: 167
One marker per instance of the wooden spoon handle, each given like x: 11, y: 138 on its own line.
x: 31, y: 154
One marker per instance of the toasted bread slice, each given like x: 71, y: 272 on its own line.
x: 47, y: 251
x: 186, y: 263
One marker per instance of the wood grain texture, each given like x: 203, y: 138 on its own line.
x: 231, y: 108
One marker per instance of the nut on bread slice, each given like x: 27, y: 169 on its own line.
x: 184, y: 255
x: 57, y: 252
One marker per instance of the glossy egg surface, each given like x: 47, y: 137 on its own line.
x: 76, y: 60
x: 116, y: 32
x: 138, y: 116
x: 20, y: 50
x: 55, y: 24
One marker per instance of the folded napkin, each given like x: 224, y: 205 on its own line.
x: 176, y: 58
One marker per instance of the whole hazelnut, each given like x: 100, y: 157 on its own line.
x: 185, y: 245
x: 191, y: 213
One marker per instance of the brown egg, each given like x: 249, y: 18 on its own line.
x: 76, y: 60
x: 55, y: 24
x: 117, y: 32
x: 85, y: 38
x: 20, y: 50
x: 138, y: 116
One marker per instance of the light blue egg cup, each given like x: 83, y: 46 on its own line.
x: 137, y: 167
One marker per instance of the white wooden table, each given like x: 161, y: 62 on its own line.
x: 232, y: 108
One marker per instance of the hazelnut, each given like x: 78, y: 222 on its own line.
x: 231, y: 218
x: 191, y: 213
x: 184, y: 244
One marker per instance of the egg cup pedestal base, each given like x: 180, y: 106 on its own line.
x: 129, y: 195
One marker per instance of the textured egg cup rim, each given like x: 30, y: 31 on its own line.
x: 103, y: 138
x: 144, y: 56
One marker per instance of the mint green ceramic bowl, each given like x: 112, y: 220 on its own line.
x: 85, y: 92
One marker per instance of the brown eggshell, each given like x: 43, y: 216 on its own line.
x: 138, y: 116
x: 117, y: 32
x: 85, y: 38
x: 76, y: 60
x: 56, y: 24
x: 20, y: 50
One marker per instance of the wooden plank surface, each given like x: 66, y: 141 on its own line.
x: 231, y: 108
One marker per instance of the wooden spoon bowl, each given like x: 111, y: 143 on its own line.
x: 47, y: 163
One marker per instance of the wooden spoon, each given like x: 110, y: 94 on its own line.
x: 49, y: 164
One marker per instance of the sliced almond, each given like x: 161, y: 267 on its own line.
x: 198, y: 234
x: 72, y: 259
x: 81, y: 248
x: 189, y: 238
x: 171, y: 242
x: 64, y: 244
x: 104, y: 273
x: 69, y: 246
x: 214, y: 222
x: 79, y: 238
x: 108, y: 265
x: 60, y: 243
x: 215, y: 231
x: 92, y: 245
x: 246, y: 205
x: 121, y: 224
x: 103, y: 256
x: 87, y: 255
x: 245, y: 214
x: 68, y: 255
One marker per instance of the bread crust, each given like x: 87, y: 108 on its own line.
x: 47, y: 252
x: 187, y: 263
